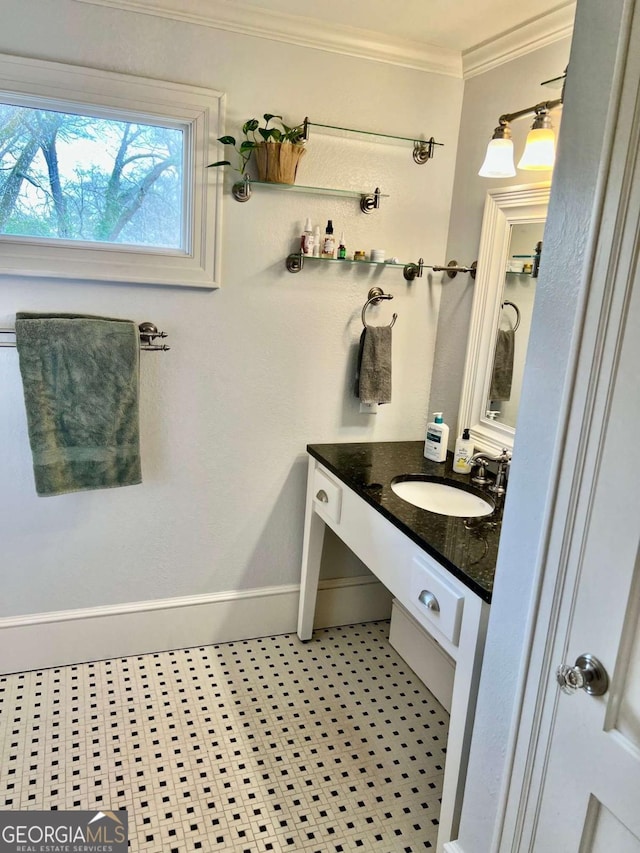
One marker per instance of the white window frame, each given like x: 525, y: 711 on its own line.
x: 198, y: 109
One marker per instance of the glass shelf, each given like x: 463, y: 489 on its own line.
x: 369, y: 200
x: 423, y: 149
x: 296, y: 261
x: 353, y: 261
x: 413, y: 139
x: 555, y: 82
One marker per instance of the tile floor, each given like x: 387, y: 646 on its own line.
x: 258, y: 745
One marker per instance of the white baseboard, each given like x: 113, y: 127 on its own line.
x: 71, y: 636
x: 452, y: 847
x: 343, y: 601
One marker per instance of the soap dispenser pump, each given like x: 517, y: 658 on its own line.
x: 463, y: 453
x: 435, y: 445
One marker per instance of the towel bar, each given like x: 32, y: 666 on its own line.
x: 148, y: 334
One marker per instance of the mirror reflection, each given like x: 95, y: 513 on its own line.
x: 514, y: 322
x: 503, y: 297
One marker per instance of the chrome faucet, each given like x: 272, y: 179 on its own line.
x: 481, y: 460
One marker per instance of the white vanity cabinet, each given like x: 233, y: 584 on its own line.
x: 447, y: 609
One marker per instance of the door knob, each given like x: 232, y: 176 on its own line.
x: 588, y: 674
x: 322, y: 496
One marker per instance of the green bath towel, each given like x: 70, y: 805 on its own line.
x: 80, y: 380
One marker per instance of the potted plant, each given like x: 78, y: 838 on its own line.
x: 276, y: 150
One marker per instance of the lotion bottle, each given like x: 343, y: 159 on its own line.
x: 329, y: 243
x: 306, y: 242
x: 435, y: 445
x: 463, y: 453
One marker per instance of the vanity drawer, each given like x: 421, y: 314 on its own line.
x: 435, y: 599
x: 327, y: 496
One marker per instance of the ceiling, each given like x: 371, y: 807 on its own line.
x: 460, y: 38
x: 459, y: 25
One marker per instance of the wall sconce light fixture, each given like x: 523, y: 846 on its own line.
x: 539, y: 152
x: 540, y: 148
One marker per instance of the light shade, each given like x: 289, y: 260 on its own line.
x: 498, y: 162
x: 539, y: 153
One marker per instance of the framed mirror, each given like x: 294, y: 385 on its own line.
x: 509, y: 258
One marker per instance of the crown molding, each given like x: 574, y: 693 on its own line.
x: 552, y: 27
x: 361, y: 43
x: 299, y: 30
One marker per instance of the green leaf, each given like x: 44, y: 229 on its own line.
x: 248, y: 145
x: 265, y: 134
x: 267, y: 117
x: 227, y: 140
x: 250, y: 125
x: 277, y: 135
x: 219, y: 163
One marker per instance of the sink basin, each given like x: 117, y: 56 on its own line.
x: 442, y: 498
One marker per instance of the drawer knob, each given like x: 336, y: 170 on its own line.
x: 429, y: 600
x: 322, y: 496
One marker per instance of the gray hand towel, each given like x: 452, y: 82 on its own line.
x: 80, y: 381
x: 373, y: 377
x: 502, y: 366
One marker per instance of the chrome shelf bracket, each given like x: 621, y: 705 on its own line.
x: 370, y: 202
x: 423, y: 150
x: 413, y: 271
x: 241, y: 190
x: 295, y: 261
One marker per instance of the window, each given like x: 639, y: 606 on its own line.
x: 103, y: 176
x: 80, y: 177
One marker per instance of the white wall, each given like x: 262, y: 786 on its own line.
x: 507, y: 88
x: 258, y: 368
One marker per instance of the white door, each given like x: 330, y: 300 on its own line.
x: 579, y: 791
x: 590, y: 799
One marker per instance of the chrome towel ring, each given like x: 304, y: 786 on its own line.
x: 376, y: 294
x: 516, y: 309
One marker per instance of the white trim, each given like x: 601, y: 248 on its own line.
x: 342, y: 601
x: 309, y: 32
x: 504, y: 207
x: 548, y: 29
x: 452, y: 847
x: 200, y: 109
x: 40, y: 640
x: 298, y: 30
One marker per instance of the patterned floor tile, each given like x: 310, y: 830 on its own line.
x: 261, y: 745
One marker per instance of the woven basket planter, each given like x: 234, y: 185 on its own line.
x: 277, y: 162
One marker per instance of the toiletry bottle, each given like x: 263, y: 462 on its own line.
x: 342, y: 251
x: 306, y: 241
x: 435, y: 445
x: 463, y: 453
x: 328, y: 244
x: 536, y: 260
x: 316, y: 242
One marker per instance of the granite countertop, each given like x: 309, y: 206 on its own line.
x: 468, y: 548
